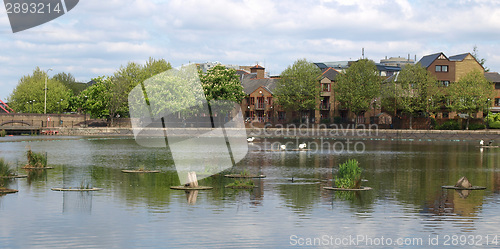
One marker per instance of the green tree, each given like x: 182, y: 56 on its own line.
x: 69, y: 81
x: 482, y: 61
x: 221, y: 83
x: 414, y: 90
x: 95, y: 99
x: 128, y: 77
x: 358, y: 86
x: 470, y: 94
x: 29, y: 94
x: 298, y: 89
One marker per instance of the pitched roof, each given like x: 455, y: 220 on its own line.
x: 329, y: 73
x: 492, y: 76
x: 458, y: 57
x: 427, y: 60
x: 257, y: 67
x: 250, y: 83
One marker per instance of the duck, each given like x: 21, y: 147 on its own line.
x: 250, y: 139
x: 302, y: 146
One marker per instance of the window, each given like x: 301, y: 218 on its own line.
x: 260, y: 102
x: 270, y: 101
x: 497, y: 102
x: 446, y: 115
x: 497, y: 85
x: 326, y: 87
x: 441, y: 68
x: 281, y: 115
x: 252, y: 101
x: 445, y: 83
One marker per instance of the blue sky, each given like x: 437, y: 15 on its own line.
x: 97, y: 37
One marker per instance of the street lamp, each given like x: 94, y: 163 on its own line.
x: 46, y: 77
x: 85, y: 112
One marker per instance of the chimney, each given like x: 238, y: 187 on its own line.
x: 259, y: 70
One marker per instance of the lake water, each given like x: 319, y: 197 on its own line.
x: 406, y: 208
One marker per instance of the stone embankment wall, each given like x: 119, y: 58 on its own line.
x: 301, y: 133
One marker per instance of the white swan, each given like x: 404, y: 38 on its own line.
x: 283, y: 147
x: 481, y: 142
x: 250, y: 139
x: 302, y: 146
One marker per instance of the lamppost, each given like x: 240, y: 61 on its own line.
x: 46, y: 77
x: 85, y: 113
x: 32, y: 106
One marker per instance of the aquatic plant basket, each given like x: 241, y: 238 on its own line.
x: 461, y: 188
x: 244, y: 176
x: 7, y: 191
x: 40, y: 168
x: 348, y: 189
x: 76, y: 189
x: 140, y: 171
x: 14, y: 176
x: 191, y: 188
x: 241, y: 187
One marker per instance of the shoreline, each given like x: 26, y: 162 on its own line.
x: 298, y: 133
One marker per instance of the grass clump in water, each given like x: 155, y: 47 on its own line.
x: 36, y: 159
x: 349, y: 175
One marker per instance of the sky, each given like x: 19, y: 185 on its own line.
x: 97, y: 37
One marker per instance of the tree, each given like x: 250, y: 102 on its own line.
x: 358, y: 86
x: 470, y: 94
x: 298, y: 88
x: 69, y: 81
x: 414, y: 90
x: 221, y: 83
x: 482, y: 61
x: 29, y: 94
x: 128, y: 77
x: 95, y: 99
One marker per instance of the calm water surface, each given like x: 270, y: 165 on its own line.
x: 141, y: 211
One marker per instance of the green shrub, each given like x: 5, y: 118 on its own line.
x: 494, y: 125
x: 449, y: 125
x: 473, y: 127
x: 325, y: 121
x: 349, y: 175
x: 337, y: 120
x: 5, y: 169
x: 493, y: 120
x: 3, y: 133
x: 37, y: 160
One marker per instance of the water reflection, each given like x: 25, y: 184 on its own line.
x: 406, y: 178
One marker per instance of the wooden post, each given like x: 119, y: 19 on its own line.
x: 191, y: 196
x: 192, y: 179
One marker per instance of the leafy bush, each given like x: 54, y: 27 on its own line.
x: 337, y: 120
x: 3, y: 133
x: 349, y: 175
x: 449, y: 125
x: 473, y: 127
x: 5, y: 169
x: 493, y: 120
x: 37, y: 160
x: 325, y: 121
x: 494, y: 125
